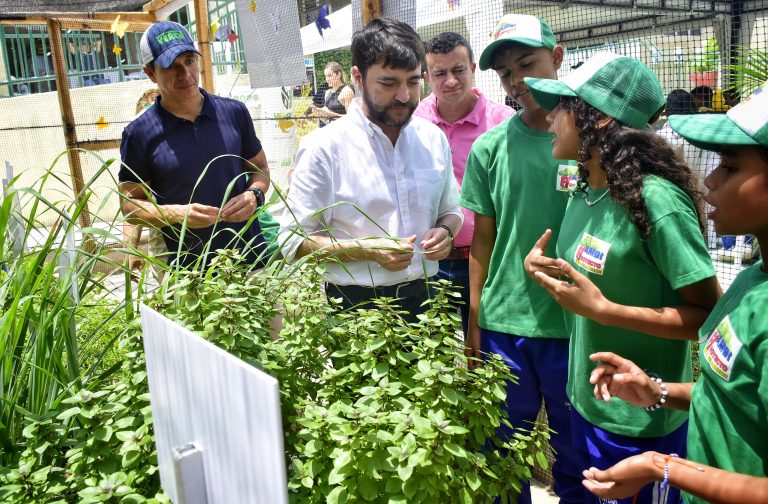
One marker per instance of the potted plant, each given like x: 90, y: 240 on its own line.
x: 704, y: 68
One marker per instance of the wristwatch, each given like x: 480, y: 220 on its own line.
x: 450, y: 233
x: 259, y: 195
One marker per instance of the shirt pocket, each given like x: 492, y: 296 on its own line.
x: 429, y: 186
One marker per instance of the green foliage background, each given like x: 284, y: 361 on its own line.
x: 341, y: 56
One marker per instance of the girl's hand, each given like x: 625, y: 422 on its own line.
x: 580, y: 296
x: 537, y: 261
x: 620, y: 377
x: 624, y: 479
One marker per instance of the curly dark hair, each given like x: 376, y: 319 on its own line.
x: 627, y: 155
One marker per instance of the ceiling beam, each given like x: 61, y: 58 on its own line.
x: 137, y: 20
x: 161, y: 9
x: 719, y: 7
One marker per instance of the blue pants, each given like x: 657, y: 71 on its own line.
x: 457, y: 272
x: 606, y: 449
x: 541, y: 365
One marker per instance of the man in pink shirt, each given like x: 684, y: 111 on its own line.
x: 463, y: 113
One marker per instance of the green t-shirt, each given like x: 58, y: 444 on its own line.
x: 602, y: 242
x: 269, y: 228
x: 512, y: 177
x: 729, y: 403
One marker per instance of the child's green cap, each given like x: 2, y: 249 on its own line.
x: 618, y: 86
x: 744, y: 124
x: 522, y: 28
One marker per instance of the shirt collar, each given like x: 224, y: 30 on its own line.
x: 475, y: 116
x: 170, y: 121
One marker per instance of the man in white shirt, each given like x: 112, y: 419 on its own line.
x: 373, y: 193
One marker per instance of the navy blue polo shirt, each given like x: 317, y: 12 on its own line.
x: 194, y: 162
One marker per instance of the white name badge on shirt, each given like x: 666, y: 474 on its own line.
x: 591, y: 254
x: 567, y: 177
x: 722, y: 348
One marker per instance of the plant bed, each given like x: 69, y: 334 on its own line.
x: 374, y: 408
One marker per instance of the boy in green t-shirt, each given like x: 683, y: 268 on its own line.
x: 727, y: 446
x: 514, y: 187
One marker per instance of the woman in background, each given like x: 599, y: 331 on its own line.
x: 338, y: 96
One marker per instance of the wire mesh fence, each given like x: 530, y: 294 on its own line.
x: 712, y: 50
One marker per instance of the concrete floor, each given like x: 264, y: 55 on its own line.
x: 541, y: 494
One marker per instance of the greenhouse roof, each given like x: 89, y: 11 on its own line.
x: 9, y: 8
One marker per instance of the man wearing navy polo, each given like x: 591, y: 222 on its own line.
x: 196, y: 155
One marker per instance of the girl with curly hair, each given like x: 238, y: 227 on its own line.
x: 633, y: 272
x: 727, y: 447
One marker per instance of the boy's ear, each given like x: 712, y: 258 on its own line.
x: 557, y: 56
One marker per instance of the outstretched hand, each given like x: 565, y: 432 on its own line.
x: 537, y: 260
x: 580, y: 295
x: 620, y: 377
x: 624, y: 479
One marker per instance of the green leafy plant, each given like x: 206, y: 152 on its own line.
x: 97, y: 446
x: 374, y: 408
x: 709, y: 60
x: 43, y: 354
x: 76, y: 422
x: 749, y: 71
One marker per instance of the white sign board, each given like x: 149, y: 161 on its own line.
x: 230, y: 410
x: 271, y: 38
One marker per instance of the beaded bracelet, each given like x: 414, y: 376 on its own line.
x: 663, y: 399
x: 666, y: 471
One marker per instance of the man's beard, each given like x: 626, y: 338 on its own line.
x: 381, y: 114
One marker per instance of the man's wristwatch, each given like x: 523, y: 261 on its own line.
x: 450, y: 233
x: 259, y: 195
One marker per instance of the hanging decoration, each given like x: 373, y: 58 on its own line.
x: 118, y: 28
x: 321, y: 21
x: 276, y: 22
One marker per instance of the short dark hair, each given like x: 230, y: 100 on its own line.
x: 447, y: 42
x: 680, y: 102
x: 703, y: 91
x: 389, y: 42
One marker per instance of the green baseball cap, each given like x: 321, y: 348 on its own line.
x: 618, y: 86
x: 522, y: 28
x: 744, y: 124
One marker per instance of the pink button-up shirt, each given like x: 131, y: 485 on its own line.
x: 461, y: 134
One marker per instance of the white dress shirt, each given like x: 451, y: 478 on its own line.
x: 399, y: 191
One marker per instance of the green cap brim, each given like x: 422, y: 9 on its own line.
x: 709, y: 131
x: 547, y: 92
x: 486, y: 57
